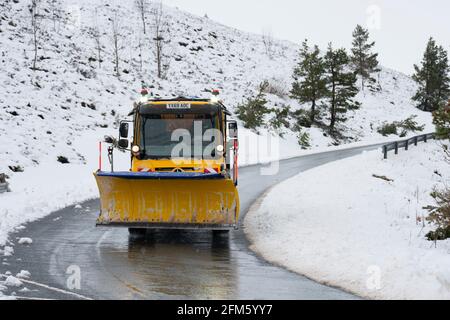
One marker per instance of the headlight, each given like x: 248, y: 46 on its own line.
x: 135, y: 150
x: 220, y: 148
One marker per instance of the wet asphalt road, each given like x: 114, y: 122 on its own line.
x: 164, y: 264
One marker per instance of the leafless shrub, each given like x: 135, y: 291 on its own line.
x: 97, y: 36
x: 36, y: 23
x: 161, y: 39
x: 446, y: 149
x: 116, y: 39
x: 56, y: 13
x: 141, y: 61
x: 268, y: 42
x: 142, y: 6
x: 277, y: 87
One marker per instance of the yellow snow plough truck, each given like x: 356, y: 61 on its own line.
x: 184, y: 169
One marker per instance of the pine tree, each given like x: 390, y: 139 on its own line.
x: 441, y: 119
x: 280, y: 119
x: 432, y: 77
x: 341, y: 86
x: 443, y: 75
x: 253, y: 111
x: 363, y: 60
x: 309, y: 84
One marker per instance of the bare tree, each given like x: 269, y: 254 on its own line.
x: 56, y: 14
x: 142, y: 8
x: 166, y: 61
x: 141, y: 62
x: 97, y: 36
x: 268, y: 42
x: 116, y: 39
x: 161, y: 38
x: 36, y: 19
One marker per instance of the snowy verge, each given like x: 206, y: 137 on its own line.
x: 340, y: 225
x: 43, y: 189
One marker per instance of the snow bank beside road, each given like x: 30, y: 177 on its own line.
x: 46, y: 188
x: 341, y: 226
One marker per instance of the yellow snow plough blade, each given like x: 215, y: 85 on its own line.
x: 167, y: 201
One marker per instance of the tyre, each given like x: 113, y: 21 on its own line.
x: 221, y: 232
x: 137, y: 232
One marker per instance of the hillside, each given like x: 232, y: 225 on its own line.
x: 65, y: 106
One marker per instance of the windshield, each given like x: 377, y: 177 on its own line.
x: 180, y: 135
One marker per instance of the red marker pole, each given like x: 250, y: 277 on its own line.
x: 100, y: 156
x: 236, y: 167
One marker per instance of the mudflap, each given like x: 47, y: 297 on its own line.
x: 159, y: 201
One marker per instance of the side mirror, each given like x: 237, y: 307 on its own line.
x: 123, y: 143
x: 109, y: 139
x: 123, y: 129
x: 233, y: 129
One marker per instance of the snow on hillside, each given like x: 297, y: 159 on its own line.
x: 393, y: 103
x: 340, y: 225
x: 69, y: 103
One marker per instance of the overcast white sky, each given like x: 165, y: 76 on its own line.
x: 400, y: 27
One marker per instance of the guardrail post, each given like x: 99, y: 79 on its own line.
x: 399, y: 144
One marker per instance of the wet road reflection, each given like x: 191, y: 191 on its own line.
x: 173, y: 263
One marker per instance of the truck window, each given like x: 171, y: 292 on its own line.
x: 159, y: 135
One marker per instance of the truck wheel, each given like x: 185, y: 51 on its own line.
x: 137, y: 232
x: 221, y: 233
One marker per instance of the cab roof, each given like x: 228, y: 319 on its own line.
x: 180, y: 99
x: 193, y: 100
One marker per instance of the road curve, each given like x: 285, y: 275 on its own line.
x: 164, y: 264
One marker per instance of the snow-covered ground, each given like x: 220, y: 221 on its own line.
x: 340, y: 225
x: 70, y: 103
